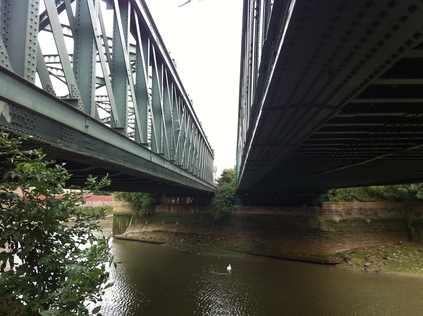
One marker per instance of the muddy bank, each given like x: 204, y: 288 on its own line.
x: 399, y: 258
x: 388, y: 258
x: 301, y: 230
x: 315, y: 234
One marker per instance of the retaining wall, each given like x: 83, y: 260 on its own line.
x: 296, y: 230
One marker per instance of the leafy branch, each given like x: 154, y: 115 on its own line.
x: 52, y: 263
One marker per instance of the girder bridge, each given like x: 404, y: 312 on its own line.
x: 331, y: 95
x: 91, y: 82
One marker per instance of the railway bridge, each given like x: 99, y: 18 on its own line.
x: 92, y: 83
x: 331, y: 96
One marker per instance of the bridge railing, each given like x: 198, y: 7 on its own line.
x: 107, y: 59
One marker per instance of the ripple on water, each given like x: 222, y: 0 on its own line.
x: 219, y: 292
x: 153, y: 280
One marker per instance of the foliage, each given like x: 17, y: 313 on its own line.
x: 395, y: 193
x: 60, y: 264
x: 108, y: 209
x: 101, y: 193
x: 225, y: 192
x: 141, y: 203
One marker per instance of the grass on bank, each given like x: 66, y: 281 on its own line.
x: 402, y: 257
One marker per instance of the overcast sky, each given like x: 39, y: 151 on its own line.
x: 204, y: 38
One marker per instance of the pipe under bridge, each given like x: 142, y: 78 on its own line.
x: 331, y: 95
x: 91, y: 82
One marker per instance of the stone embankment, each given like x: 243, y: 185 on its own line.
x: 319, y: 234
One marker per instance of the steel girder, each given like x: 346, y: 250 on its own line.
x: 255, y: 32
x: 330, y: 95
x: 107, y: 60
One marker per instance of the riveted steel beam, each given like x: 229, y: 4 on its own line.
x: 62, y: 127
x: 350, y: 71
x: 108, y: 61
x: 19, y: 33
x: 84, y: 55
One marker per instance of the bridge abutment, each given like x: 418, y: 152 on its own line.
x: 287, y: 232
x: 193, y: 203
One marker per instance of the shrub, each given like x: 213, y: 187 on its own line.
x: 60, y: 264
x: 395, y: 193
x: 141, y: 203
x: 222, y: 201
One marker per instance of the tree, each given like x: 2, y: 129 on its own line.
x: 396, y: 193
x: 141, y: 203
x: 60, y: 263
x: 225, y: 192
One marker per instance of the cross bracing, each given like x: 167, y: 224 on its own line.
x: 107, y: 61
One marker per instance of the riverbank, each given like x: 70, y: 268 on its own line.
x: 388, y: 258
x: 399, y: 258
x: 365, y: 236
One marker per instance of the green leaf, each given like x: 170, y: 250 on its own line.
x: 55, y: 275
x: 96, y: 310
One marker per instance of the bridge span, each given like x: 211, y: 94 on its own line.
x: 331, y: 95
x: 91, y: 82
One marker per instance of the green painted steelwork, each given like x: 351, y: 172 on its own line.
x: 98, y: 84
x: 330, y: 96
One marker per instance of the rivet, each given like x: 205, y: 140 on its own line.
x: 412, y: 8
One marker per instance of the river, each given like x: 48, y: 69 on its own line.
x: 156, y: 280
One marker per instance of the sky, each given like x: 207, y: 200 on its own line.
x: 204, y: 39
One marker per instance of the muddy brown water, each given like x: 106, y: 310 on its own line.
x: 158, y: 280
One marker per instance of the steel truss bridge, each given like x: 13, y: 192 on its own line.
x: 91, y: 82
x: 331, y: 95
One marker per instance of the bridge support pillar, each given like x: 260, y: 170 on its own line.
x: 181, y: 203
x: 280, y: 199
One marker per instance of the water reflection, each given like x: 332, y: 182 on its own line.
x: 221, y: 293
x: 155, y: 280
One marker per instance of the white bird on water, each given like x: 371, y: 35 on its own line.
x: 229, y: 268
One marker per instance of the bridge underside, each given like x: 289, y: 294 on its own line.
x: 339, y: 99
x: 87, y: 146
x: 123, y: 178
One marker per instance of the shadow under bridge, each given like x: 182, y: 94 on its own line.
x: 331, y: 95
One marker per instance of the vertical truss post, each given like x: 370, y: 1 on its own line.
x: 84, y: 56
x: 185, y: 141
x: 142, y: 83
x: 196, y: 153
x: 119, y: 64
x: 201, y: 160
x: 19, y: 32
x: 4, y: 56
x: 176, y: 131
x: 173, y: 123
x: 189, y: 148
x: 157, y: 99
